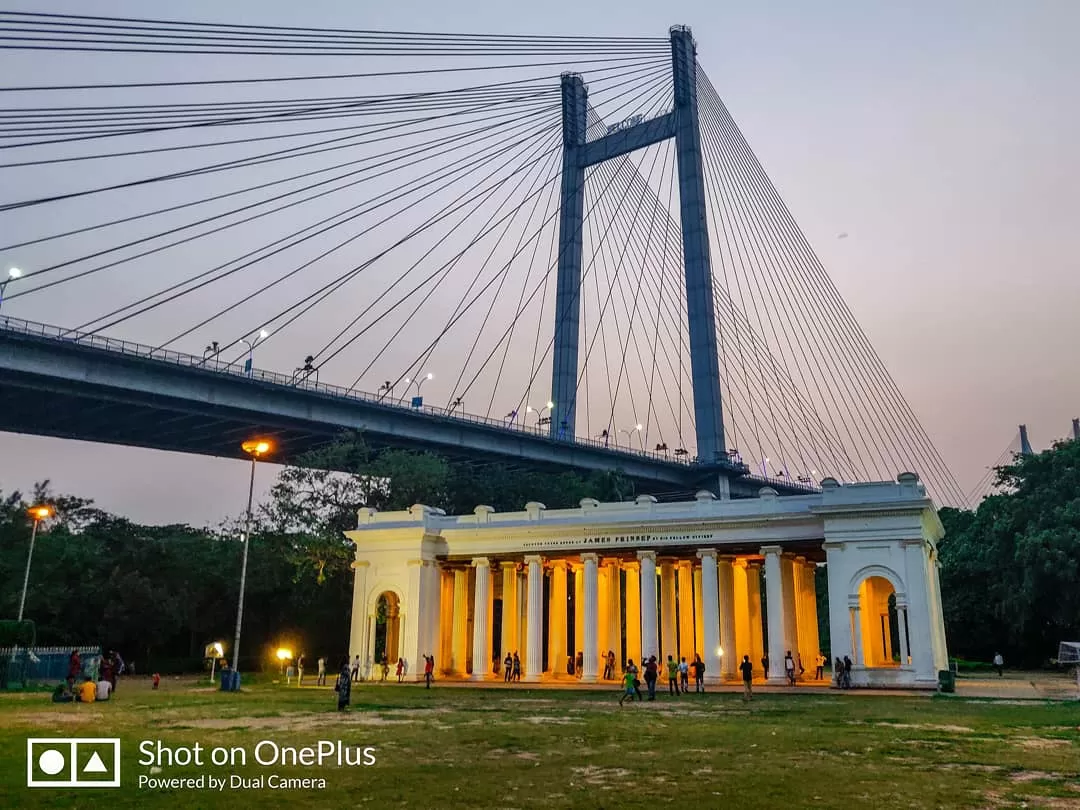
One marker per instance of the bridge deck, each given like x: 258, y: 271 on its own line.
x: 69, y: 385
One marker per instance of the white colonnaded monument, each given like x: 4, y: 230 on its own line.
x: 645, y: 578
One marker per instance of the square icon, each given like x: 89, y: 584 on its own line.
x: 73, y: 762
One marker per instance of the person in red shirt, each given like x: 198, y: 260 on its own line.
x: 429, y: 670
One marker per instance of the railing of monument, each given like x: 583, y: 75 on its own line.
x: 305, y: 383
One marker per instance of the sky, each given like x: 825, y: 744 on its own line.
x: 939, y: 137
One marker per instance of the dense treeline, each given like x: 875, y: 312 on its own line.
x: 1010, y: 570
x: 159, y: 594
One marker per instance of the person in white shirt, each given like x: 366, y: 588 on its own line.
x: 999, y: 664
x: 104, y: 689
x: 322, y: 671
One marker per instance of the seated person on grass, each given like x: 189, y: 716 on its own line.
x: 87, y: 691
x: 104, y: 690
x: 62, y: 694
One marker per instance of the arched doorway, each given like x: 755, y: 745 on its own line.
x: 879, y: 631
x: 387, y: 627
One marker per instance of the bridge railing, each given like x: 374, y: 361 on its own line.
x: 213, y: 364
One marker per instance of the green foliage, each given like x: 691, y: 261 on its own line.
x: 14, y: 633
x: 1010, y: 570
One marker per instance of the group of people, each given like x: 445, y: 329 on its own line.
x: 512, y: 668
x: 89, y: 689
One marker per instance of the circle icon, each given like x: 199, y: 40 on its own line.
x: 51, y: 762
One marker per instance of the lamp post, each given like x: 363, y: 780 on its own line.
x: 419, y: 381
x: 630, y: 434
x: 38, y: 513
x: 256, y: 448
x: 251, y: 344
x: 12, y: 274
x: 540, y: 413
x: 418, y: 401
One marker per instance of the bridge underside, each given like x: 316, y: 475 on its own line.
x: 62, y: 389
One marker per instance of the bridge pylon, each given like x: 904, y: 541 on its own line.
x: 579, y: 153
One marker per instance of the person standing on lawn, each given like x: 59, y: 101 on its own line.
x: 684, y: 675
x: 321, y: 680
x: 343, y: 687
x: 652, y: 672
x: 789, y: 668
x: 672, y: 676
x: 628, y: 687
x: 999, y: 664
x: 699, y: 674
x: 747, y: 670
x: 429, y: 670
x: 633, y: 670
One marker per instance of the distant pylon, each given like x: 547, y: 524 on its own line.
x: 1025, y: 445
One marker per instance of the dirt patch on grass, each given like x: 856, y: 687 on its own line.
x: 594, y: 775
x: 949, y: 729
x: 1034, y: 776
x: 1040, y: 743
x: 539, y: 720
x: 62, y: 718
x: 292, y: 722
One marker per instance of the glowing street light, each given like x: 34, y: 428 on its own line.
x: 256, y: 448
x: 251, y: 344
x: 12, y: 274
x: 38, y: 513
x: 216, y: 650
x: 630, y: 434
x: 419, y: 381
x: 540, y: 418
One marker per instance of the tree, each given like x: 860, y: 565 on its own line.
x: 1009, y: 569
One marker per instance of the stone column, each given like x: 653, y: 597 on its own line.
x: 920, y: 624
x: 430, y: 608
x: 668, y: 640
x: 557, y: 619
x: 901, y: 620
x: 481, y: 655
x: 603, y: 607
x: 358, y: 622
x: 444, y: 660
x: 729, y: 642
x: 589, y: 641
x: 614, y: 614
x: 711, y: 616
x: 633, y: 611
x: 686, y: 611
x: 699, y: 627
x: 579, y: 610
x: 649, y: 642
x: 856, y: 633
x: 459, y: 646
x: 787, y: 575
x: 523, y: 617
x: 753, y: 603
x: 534, y: 653
x: 774, y: 586
x: 509, y: 608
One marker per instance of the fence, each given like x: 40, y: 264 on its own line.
x: 20, y: 666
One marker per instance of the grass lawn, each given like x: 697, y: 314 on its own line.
x: 481, y: 748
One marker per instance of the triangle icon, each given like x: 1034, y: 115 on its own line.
x: 95, y: 765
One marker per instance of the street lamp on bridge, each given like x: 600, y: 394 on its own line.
x: 540, y: 418
x: 630, y: 433
x: 251, y: 344
x: 38, y: 513
x: 256, y: 448
x: 12, y: 274
x: 418, y: 400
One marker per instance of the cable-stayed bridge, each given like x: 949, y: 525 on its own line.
x: 555, y: 250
